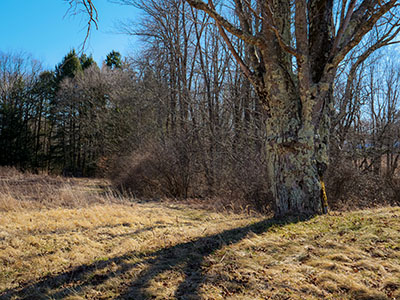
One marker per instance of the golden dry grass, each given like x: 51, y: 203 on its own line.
x: 167, y: 250
x: 28, y: 191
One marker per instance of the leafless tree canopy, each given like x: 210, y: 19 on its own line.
x: 296, y: 48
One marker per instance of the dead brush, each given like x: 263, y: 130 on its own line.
x: 29, y: 191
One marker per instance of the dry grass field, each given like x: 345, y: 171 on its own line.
x: 71, y: 239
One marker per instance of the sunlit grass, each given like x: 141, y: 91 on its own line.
x: 117, y: 248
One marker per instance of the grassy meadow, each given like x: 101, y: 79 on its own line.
x: 73, y: 239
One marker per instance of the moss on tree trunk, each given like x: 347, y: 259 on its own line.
x: 297, y: 156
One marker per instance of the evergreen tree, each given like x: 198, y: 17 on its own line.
x: 86, y: 61
x: 70, y: 66
x: 114, y: 60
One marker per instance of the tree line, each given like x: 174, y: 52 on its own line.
x: 50, y: 119
x: 187, y: 117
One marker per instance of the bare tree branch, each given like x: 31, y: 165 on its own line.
x: 248, y: 38
x: 361, y: 22
x: 247, y: 72
x: 88, y: 8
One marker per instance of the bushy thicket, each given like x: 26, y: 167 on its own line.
x: 178, y: 168
x: 350, y: 187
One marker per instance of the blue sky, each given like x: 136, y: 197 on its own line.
x: 41, y: 28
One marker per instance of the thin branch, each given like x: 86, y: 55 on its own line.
x: 344, y: 23
x: 245, y: 24
x: 242, y: 64
x: 248, y: 38
x: 90, y: 10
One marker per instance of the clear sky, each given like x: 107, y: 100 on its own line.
x: 41, y: 28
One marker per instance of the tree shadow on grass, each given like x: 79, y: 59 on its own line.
x: 187, y: 258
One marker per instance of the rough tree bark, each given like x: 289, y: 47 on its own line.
x: 293, y: 74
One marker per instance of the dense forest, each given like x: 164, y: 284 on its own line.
x: 180, y: 119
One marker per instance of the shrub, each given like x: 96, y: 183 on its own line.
x: 350, y: 187
x: 159, y: 169
x: 180, y: 168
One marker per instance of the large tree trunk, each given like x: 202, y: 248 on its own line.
x: 295, y: 176
x: 297, y: 156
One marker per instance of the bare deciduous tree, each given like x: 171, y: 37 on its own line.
x: 296, y: 49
